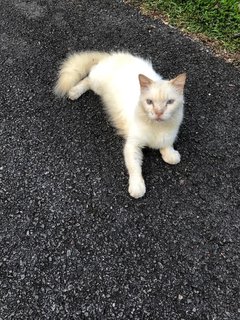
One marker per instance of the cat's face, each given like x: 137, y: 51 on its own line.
x: 160, y: 100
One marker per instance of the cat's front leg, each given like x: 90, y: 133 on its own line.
x: 170, y: 155
x: 133, y: 160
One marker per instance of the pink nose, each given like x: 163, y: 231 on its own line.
x: 158, y: 113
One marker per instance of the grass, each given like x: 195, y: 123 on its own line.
x: 219, y: 20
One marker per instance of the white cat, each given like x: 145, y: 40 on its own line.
x: 146, y: 110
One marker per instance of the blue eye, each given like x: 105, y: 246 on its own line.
x: 170, y: 101
x: 149, y: 101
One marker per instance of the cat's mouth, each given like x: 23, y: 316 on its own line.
x: 159, y: 119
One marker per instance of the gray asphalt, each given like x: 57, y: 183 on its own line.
x: 74, y: 245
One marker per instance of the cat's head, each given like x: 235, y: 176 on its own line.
x: 160, y: 100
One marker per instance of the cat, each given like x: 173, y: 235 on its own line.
x: 146, y: 110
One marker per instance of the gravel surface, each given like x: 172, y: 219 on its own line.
x: 74, y: 245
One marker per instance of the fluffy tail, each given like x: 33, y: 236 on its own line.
x: 75, y: 68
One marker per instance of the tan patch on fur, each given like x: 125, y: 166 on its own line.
x: 179, y: 81
x: 144, y: 81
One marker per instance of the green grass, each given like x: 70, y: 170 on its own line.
x: 217, y: 19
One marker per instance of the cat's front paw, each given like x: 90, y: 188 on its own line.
x: 137, y: 187
x: 74, y: 93
x: 171, y: 156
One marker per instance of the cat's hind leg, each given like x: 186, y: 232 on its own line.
x: 170, y: 155
x: 76, y: 91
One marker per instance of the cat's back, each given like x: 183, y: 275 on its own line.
x: 124, y: 65
x: 122, y: 60
x: 115, y: 79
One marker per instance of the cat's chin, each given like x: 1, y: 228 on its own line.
x: 164, y: 118
x: 156, y: 120
x: 159, y: 120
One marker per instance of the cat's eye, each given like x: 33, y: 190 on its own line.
x: 149, y: 101
x: 170, y: 101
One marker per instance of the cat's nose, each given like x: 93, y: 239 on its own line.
x: 159, y: 113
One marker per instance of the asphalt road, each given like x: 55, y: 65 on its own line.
x: 74, y: 245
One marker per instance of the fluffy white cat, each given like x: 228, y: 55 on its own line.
x: 146, y: 110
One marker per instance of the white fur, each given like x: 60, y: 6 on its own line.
x: 115, y: 78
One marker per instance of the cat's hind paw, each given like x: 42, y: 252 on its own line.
x: 137, y: 187
x: 74, y: 93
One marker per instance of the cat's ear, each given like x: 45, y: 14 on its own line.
x: 179, y: 81
x: 144, y: 81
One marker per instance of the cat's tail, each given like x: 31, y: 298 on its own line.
x: 75, y: 68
